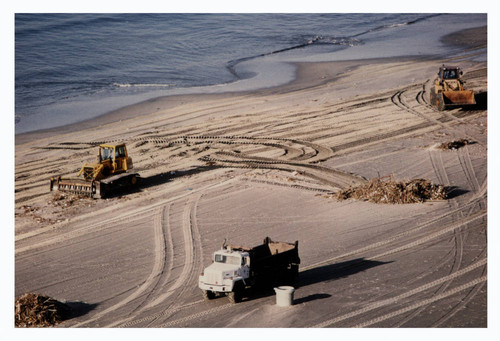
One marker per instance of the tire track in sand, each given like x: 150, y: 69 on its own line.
x: 368, y: 308
x: 192, y: 247
x: 428, y: 237
x: 463, y: 302
x: 168, y: 254
x: 444, y: 282
x: 158, y: 264
x: 398, y: 99
x: 440, y: 171
x: 478, y: 281
x: 468, y: 168
x: 420, y: 241
x: 392, y: 300
x: 90, y: 227
x: 189, y: 254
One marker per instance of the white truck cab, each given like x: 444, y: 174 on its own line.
x: 232, y: 275
x: 228, y: 267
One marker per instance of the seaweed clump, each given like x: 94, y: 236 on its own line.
x: 35, y: 310
x: 455, y: 144
x: 387, y: 191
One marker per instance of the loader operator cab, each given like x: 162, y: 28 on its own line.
x: 112, y: 152
x: 120, y: 151
x: 114, y: 157
x: 106, y: 154
x: 449, y: 72
x: 448, y: 90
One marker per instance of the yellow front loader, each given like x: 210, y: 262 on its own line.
x: 448, y: 90
x: 110, y: 173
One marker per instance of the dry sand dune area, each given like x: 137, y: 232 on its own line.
x: 244, y: 166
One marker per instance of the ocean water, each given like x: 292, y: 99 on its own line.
x: 72, y: 67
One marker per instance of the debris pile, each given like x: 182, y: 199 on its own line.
x: 455, y: 144
x: 62, y: 199
x: 33, y: 213
x: 34, y: 310
x: 387, y: 191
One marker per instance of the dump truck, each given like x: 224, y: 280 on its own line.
x: 448, y: 90
x: 237, y: 269
x: 111, y: 172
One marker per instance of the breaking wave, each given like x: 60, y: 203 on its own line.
x: 150, y: 85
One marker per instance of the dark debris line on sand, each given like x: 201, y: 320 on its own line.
x: 387, y: 191
x: 455, y: 144
x: 35, y: 310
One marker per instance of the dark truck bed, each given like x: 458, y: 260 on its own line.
x: 273, y: 262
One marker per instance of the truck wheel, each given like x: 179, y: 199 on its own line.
x: 235, y: 295
x: 208, y: 295
x: 295, y: 272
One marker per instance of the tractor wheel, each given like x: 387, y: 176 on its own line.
x: 432, y: 97
x: 440, y: 102
x: 133, y: 180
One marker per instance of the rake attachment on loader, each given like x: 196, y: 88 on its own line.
x: 110, y: 173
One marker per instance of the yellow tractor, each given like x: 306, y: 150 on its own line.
x: 448, y: 90
x: 111, y: 172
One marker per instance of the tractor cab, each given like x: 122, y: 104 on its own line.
x: 449, y: 72
x: 114, y: 158
x: 111, y: 160
x: 107, y: 175
x: 448, y: 90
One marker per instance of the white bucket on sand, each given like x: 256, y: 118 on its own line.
x: 284, y: 296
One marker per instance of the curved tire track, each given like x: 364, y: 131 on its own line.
x: 189, y: 254
x: 372, y: 306
x: 159, y: 252
x: 398, y: 100
x: 192, y: 247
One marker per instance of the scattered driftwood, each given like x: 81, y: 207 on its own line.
x: 387, y: 191
x: 68, y: 199
x: 34, y: 310
x: 455, y: 144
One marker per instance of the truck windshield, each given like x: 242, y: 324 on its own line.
x: 227, y: 259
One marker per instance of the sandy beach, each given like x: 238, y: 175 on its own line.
x: 247, y: 165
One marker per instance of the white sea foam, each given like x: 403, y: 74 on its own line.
x: 129, y: 85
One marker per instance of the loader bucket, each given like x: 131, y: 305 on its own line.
x: 465, y: 97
